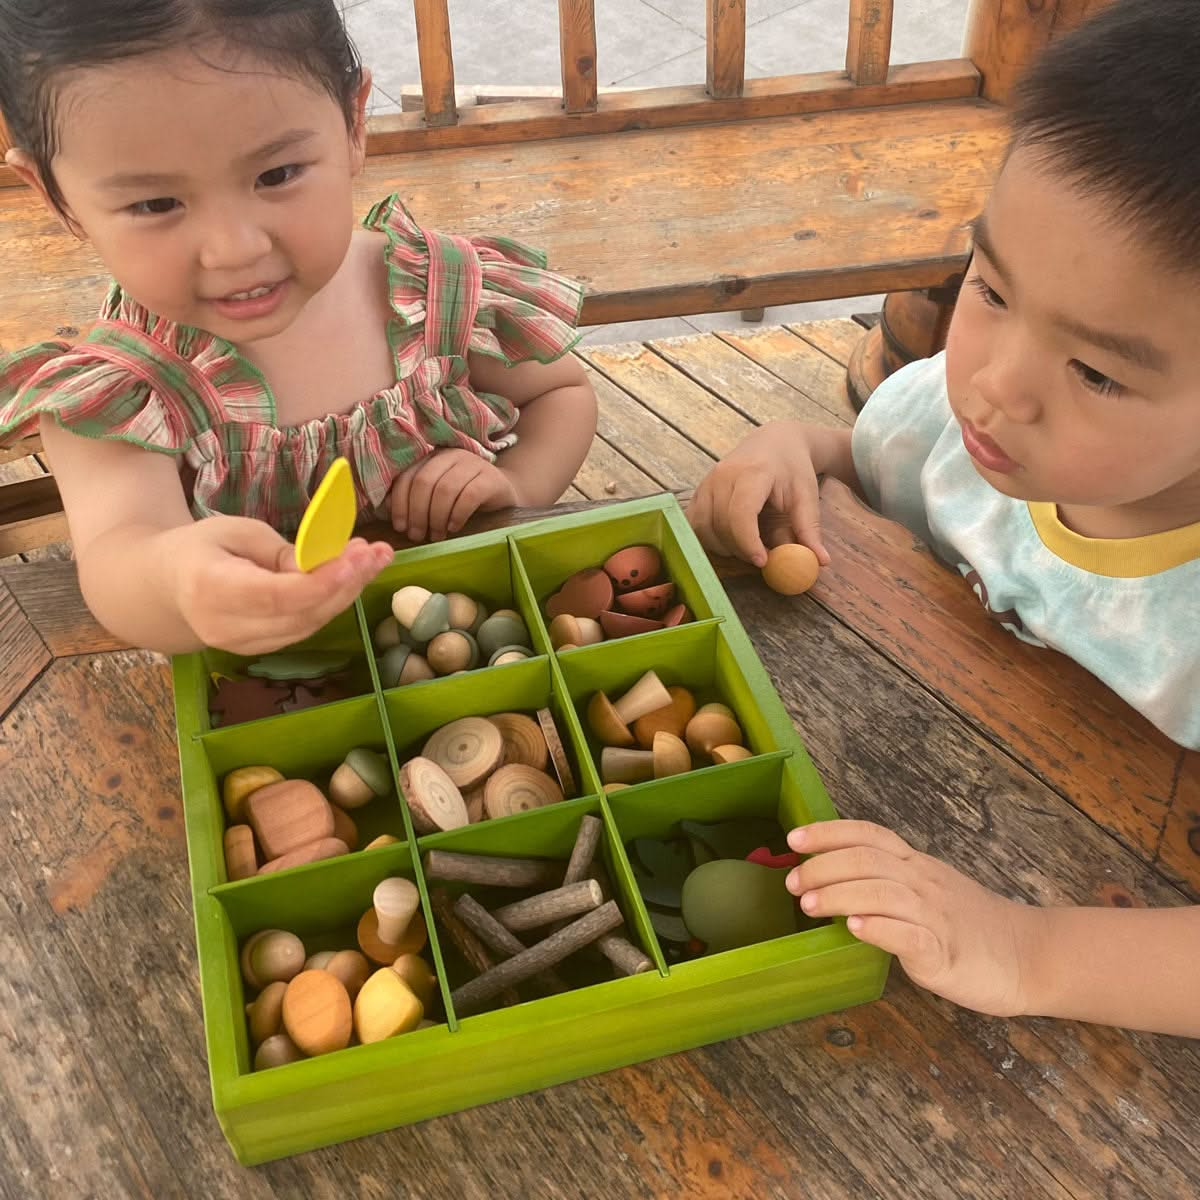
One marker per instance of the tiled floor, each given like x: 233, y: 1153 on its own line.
x: 643, y: 43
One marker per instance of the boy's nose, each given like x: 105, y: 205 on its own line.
x: 1008, y: 387
x: 229, y: 244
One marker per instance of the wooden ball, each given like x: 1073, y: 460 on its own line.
x: 316, y: 1012
x: 523, y: 740
x: 265, y: 1014
x: 269, y: 955
x: 385, y: 1006
x: 276, y: 1051
x: 517, y: 788
x: 468, y: 750
x: 790, y: 569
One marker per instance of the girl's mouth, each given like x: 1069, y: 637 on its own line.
x: 258, y: 301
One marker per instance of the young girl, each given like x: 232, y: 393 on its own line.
x: 1052, y: 457
x: 207, y: 149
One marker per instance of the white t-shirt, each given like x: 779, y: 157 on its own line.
x: 1126, y: 609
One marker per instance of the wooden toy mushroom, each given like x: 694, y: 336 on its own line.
x: 432, y: 798
x: 728, y: 754
x: 671, y: 755
x: 468, y: 750
x: 610, y: 722
x: 620, y: 765
x: 465, y: 612
x: 454, y: 650
x: 402, y: 665
x: 509, y: 654
x: 392, y: 925
x: 672, y: 718
x: 568, y: 630
x: 362, y: 777
x: 790, y: 569
x: 419, y: 976
x: 317, y: 1013
x: 270, y: 955
x: 276, y: 1051
x: 505, y: 627
x: 713, y: 725
x: 423, y: 613
x: 517, y: 788
x: 264, y: 1015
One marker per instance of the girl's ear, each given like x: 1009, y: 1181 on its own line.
x: 27, y: 171
x: 358, y: 137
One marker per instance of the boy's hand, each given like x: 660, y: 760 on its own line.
x: 436, y: 496
x: 951, y: 935
x: 237, y: 586
x: 773, y: 466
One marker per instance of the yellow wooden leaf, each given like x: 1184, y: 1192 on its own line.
x: 328, y: 521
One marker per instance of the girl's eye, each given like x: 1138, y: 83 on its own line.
x: 1094, y: 381
x: 154, y: 208
x: 991, y: 297
x: 277, y: 176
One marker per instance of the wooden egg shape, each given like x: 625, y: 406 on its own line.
x: 503, y: 628
x: 264, y: 1015
x: 464, y: 612
x: 523, y: 740
x: 634, y: 567
x: 454, y: 650
x: 619, y: 624
x: 317, y: 1013
x: 517, y: 788
x: 395, y: 900
x: 318, y: 961
x: 651, y: 602
x: 671, y: 755
x: 729, y: 902
x: 419, y: 976
x: 287, y: 815
x: 327, y: 847
x: 385, y: 1006
x: 605, y: 722
x: 269, y: 955
x: 790, y: 569
x: 509, y: 654
x: 412, y: 941
x: 351, y: 967
x: 241, y: 859
x: 713, y: 725
x: 587, y: 593
x: 672, y: 718
x: 276, y: 1051
x: 679, y: 615
x: 468, y: 750
x: 432, y: 798
x: 240, y: 784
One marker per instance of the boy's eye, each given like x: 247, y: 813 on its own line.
x: 1094, y: 380
x: 277, y: 176
x: 989, y: 294
x: 154, y: 208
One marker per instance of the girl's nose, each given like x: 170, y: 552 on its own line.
x: 231, y: 242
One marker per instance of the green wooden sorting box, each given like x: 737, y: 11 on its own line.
x: 609, y: 1023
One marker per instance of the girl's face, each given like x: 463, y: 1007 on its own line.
x: 215, y: 189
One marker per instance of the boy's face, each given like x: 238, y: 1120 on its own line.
x: 1073, y: 361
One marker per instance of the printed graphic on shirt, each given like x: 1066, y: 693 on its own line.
x: 1009, y: 618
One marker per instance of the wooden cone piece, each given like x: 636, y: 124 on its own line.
x: 623, y: 955
x: 488, y: 871
x: 523, y: 740
x: 395, y: 901
x: 468, y: 750
x: 626, y: 766
x: 471, y: 996
x: 517, y: 788
x: 467, y: 944
x: 548, y: 907
x: 500, y: 940
x: 606, y: 723
x: 644, y: 697
x: 432, y: 798
x: 558, y: 755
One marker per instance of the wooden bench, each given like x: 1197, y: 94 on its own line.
x: 730, y: 194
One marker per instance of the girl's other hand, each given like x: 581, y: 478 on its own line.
x: 436, y: 496
x: 951, y: 935
x: 237, y: 585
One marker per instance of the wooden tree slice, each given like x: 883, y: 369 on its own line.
x: 432, y: 798
x: 523, y: 740
x: 558, y: 755
x: 518, y: 788
x: 468, y: 750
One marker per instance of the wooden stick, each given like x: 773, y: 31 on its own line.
x: 489, y: 871
x: 567, y: 901
x: 869, y: 46
x: 623, y: 955
x: 437, y: 61
x: 586, y: 841
x: 726, y: 22
x: 499, y: 940
x: 469, y: 946
x: 547, y: 953
x: 577, y: 52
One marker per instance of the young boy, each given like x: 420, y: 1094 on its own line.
x: 1051, y: 455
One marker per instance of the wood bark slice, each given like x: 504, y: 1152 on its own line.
x: 523, y: 740
x: 558, y: 755
x: 468, y: 750
x: 432, y: 797
x: 517, y: 788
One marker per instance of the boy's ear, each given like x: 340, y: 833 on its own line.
x: 358, y: 137
x: 27, y: 171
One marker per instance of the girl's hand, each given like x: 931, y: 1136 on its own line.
x: 774, y: 466
x: 237, y: 585
x: 951, y: 935
x: 436, y: 496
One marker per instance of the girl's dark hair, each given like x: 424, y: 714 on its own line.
x: 40, y: 40
x: 1114, y: 107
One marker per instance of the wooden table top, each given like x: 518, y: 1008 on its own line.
x: 918, y: 711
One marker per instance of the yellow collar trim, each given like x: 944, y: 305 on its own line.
x: 1118, y: 558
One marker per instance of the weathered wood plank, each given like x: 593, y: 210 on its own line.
x: 22, y: 651
x: 437, y: 61
x: 48, y: 593
x: 725, y: 25
x: 26, y: 446
x: 837, y: 337
x: 869, y: 45
x: 577, y: 53
x: 607, y: 474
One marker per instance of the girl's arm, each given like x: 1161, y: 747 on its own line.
x: 156, y: 578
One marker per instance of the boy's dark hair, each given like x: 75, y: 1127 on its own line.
x: 40, y: 40
x: 1115, y: 108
